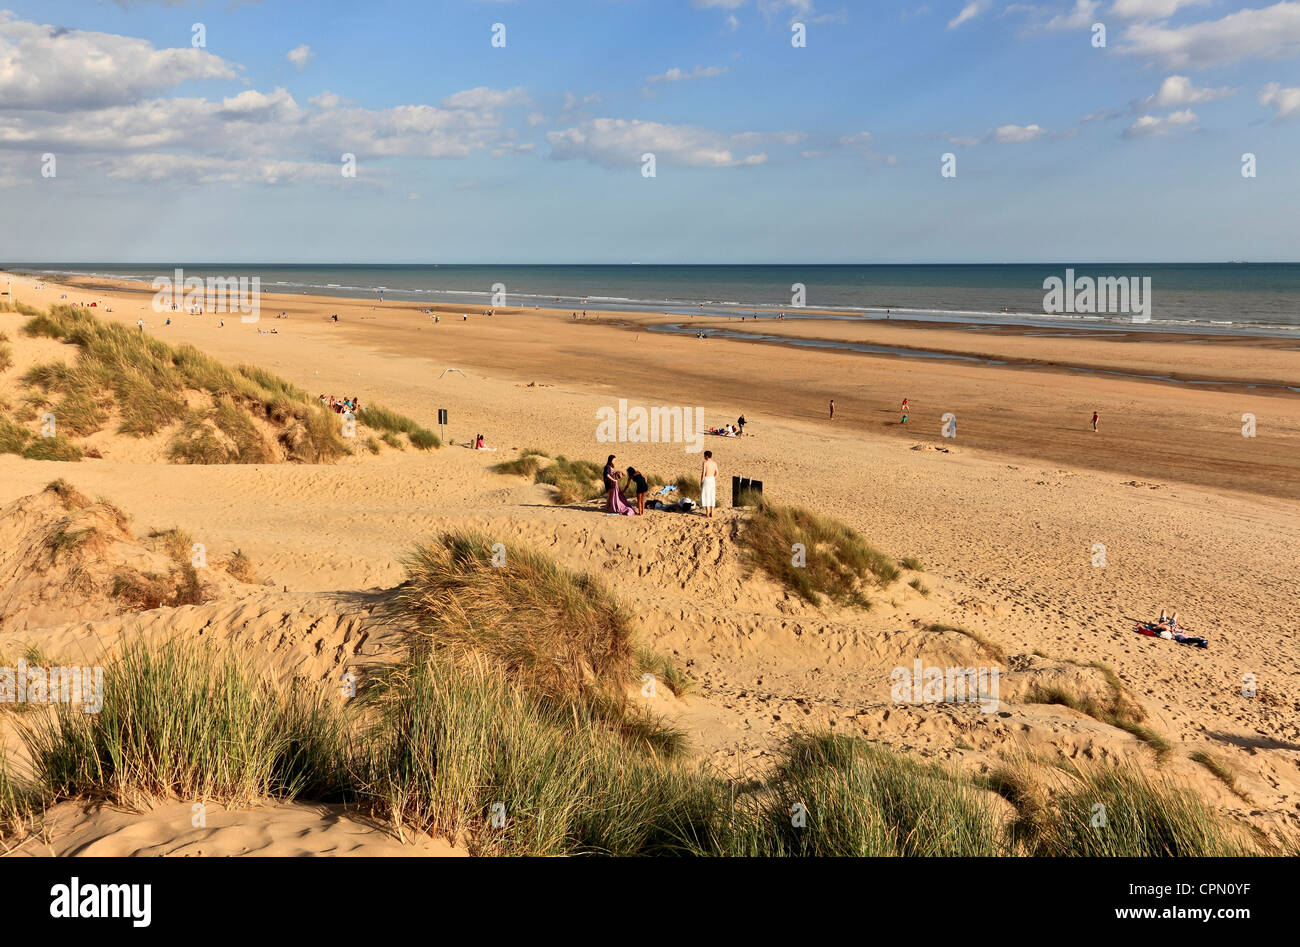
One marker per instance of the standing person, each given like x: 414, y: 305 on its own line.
x: 1095, y: 418
x: 906, y: 404
x: 832, y: 409
x: 709, y: 484
x: 614, y: 502
x: 642, y: 488
x: 740, y: 424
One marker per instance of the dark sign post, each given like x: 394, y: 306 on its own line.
x: 442, y: 423
x: 741, y: 484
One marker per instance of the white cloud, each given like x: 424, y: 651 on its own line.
x: 1268, y: 33
x: 679, y: 75
x: 1015, y: 134
x: 326, y: 100
x: 482, y: 97
x: 617, y: 143
x: 44, y: 67
x: 1081, y: 17
x: 1179, y: 90
x: 1151, y: 9
x: 968, y: 12
x: 1150, y: 126
x: 1286, y: 101
x: 300, y: 56
x: 572, y: 101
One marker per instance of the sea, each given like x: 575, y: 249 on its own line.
x: 1230, y: 298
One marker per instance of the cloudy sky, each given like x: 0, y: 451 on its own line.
x: 514, y: 130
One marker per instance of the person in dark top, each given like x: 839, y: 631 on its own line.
x: 642, y: 488
x: 740, y: 424
x: 611, y: 481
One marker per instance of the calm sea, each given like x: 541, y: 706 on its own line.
x: 1232, y: 297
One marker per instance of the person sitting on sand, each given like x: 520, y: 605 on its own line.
x: 478, y: 442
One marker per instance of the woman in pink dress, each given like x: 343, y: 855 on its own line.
x: 614, y: 502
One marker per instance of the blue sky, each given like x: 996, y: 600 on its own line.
x: 764, y: 151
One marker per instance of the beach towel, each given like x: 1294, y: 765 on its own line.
x: 1151, y: 630
x: 667, y: 490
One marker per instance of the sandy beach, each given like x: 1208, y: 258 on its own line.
x: 1007, y: 515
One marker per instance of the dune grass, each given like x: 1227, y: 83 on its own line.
x: 1119, y: 710
x: 382, y: 419
x: 839, y: 796
x: 558, y: 634
x: 1120, y: 812
x: 994, y: 649
x: 144, y: 382
x: 456, y: 748
x: 182, y: 720
x: 574, y: 480
x: 836, y: 562
x: 526, y: 465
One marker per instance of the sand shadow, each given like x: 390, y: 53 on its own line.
x: 1246, y: 742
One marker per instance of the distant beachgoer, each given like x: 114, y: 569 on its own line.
x: 335, y: 317
x: 478, y: 442
x: 140, y: 323
x: 740, y: 424
x: 832, y: 409
x: 709, y: 484
x: 906, y: 403
x: 1095, y: 418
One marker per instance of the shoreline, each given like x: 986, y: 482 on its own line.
x: 1006, y: 320
x: 821, y: 329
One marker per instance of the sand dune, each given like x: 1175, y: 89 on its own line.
x: 1007, y: 522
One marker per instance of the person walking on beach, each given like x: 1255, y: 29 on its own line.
x: 1095, y: 418
x: 740, y: 425
x: 832, y: 409
x: 709, y: 484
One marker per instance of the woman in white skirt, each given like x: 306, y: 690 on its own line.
x: 709, y: 484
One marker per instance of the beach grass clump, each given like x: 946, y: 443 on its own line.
x: 13, y: 437
x: 574, y: 480
x: 664, y: 670
x: 839, y: 796
x: 462, y: 752
x: 557, y: 634
x: 14, y: 305
x: 382, y: 419
x: 52, y: 448
x: 837, y: 563
x: 145, y: 591
x: 1219, y: 768
x: 6, y: 353
x: 558, y: 631
x: 525, y: 465
x: 1120, y: 812
x: 1119, y: 709
x: 912, y: 564
x: 183, y: 720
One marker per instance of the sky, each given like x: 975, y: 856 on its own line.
x: 516, y: 131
